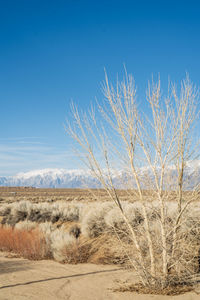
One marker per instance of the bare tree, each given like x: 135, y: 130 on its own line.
x: 152, y: 149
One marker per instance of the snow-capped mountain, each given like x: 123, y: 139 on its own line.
x: 62, y: 178
x: 52, y: 178
x: 59, y: 178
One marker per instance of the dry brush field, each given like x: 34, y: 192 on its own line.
x: 80, y: 226
x: 13, y: 194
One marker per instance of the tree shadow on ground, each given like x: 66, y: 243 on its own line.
x: 13, y: 266
x: 57, y: 278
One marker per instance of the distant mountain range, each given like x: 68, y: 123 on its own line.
x: 51, y: 178
x: 62, y: 178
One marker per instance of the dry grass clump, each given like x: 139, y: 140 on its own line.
x: 93, y: 222
x: 75, y: 251
x: 100, y: 250
x: 171, y: 290
x: 5, y: 210
x: 105, y: 249
x: 187, y: 262
x: 26, y: 225
x: 59, y: 240
x: 29, y: 244
x: 115, y: 222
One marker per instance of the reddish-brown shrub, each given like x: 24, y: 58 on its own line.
x: 28, y: 244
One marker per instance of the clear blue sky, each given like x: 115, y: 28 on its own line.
x: 54, y: 51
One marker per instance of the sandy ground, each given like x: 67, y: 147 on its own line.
x: 24, y: 279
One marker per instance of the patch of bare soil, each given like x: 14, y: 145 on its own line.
x: 24, y: 279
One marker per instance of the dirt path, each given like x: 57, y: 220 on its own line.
x: 40, y: 280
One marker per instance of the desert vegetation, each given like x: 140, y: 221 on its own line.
x: 38, y: 195
x: 69, y: 232
x: 94, y: 232
x: 153, y: 143
x: 29, y: 244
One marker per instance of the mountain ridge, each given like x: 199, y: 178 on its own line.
x: 80, y: 178
x: 50, y: 178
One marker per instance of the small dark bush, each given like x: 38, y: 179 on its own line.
x: 75, y: 230
x: 55, y: 218
x: 6, y: 212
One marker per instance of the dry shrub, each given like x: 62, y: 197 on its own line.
x: 29, y: 244
x: 187, y: 250
x: 67, y: 226
x: 106, y: 249
x: 60, y: 240
x: 26, y: 225
x: 93, y: 223
x: 100, y: 250
x: 5, y: 210
x: 77, y: 252
x: 172, y: 290
x: 71, y: 212
x: 75, y: 231
x: 67, y: 248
